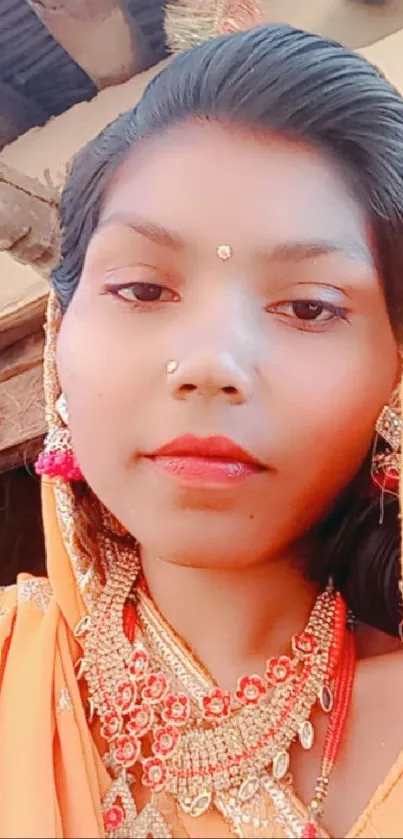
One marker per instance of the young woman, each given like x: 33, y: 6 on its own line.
x: 222, y: 460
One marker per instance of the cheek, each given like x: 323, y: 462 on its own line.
x: 106, y: 380
x: 332, y: 403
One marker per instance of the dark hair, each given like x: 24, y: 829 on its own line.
x: 276, y: 78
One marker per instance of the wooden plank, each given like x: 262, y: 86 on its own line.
x: 22, y: 411
x: 95, y: 33
x: 21, y: 357
x: 29, y: 224
x: 21, y: 319
x: 26, y: 184
x: 30, y: 234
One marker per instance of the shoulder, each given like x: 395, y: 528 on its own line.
x: 372, y: 643
x: 377, y: 705
x: 377, y: 730
x: 381, y: 675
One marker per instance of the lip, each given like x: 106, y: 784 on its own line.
x: 205, y: 460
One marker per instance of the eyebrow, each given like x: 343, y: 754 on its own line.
x: 291, y: 251
x: 309, y: 250
x: 153, y: 232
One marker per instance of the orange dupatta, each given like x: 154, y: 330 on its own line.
x: 52, y: 779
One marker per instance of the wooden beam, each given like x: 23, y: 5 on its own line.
x: 95, y: 33
x: 29, y: 232
x: 21, y: 357
x: 23, y: 320
x: 22, y: 411
x: 29, y: 224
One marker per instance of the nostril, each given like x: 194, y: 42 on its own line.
x: 230, y: 390
x: 187, y: 388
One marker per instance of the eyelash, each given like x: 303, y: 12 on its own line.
x: 336, y: 313
x: 116, y: 291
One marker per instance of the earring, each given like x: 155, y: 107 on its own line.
x: 58, y: 460
x: 387, y: 449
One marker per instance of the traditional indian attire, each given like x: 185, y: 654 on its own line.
x: 58, y: 777
x: 67, y: 649
x: 53, y: 781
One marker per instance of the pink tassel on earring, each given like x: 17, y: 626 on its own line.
x: 58, y: 464
x: 58, y: 460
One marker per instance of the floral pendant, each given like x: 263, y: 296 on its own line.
x: 121, y: 819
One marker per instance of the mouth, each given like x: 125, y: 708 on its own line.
x: 205, y: 460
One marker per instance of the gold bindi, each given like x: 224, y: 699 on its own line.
x: 224, y: 252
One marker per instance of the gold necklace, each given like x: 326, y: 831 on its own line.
x: 237, y: 745
x: 202, y: 745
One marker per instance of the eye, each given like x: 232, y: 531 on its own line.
x: 143, y: 293
x: 310, y: 313
x: 310, y: 310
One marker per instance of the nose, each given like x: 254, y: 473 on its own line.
x: 210, y: 375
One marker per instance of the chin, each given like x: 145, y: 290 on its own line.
x: 189, y: 558
x: 203, y: 538
x: 204, y: 548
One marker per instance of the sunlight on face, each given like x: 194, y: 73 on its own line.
x: 285, y: 349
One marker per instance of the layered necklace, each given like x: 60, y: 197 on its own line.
x: 203, y: 746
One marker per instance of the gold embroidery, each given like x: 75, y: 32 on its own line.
x: 36, y: 590
x: 169, y: 651
x: 5, y: 610
x: 64, y: 702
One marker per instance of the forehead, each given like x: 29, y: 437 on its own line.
x: 209, y: 180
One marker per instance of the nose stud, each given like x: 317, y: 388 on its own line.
x: 171, y: 366
x: 224, y: 252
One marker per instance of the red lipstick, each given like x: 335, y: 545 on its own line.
x: 205, y: 460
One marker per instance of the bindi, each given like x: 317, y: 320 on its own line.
x: 224, y: 252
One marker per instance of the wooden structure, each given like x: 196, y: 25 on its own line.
x: 55, y: 53
x: 101, y: 47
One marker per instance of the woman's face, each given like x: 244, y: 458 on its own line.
x: 285, y: 348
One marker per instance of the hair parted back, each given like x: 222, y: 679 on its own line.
x: 279, y: 79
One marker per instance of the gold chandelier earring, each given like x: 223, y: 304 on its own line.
x: 387, y: 450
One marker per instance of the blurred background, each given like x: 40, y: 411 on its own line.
x: 67, y: 68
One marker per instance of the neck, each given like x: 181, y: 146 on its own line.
x: 232, y: 620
